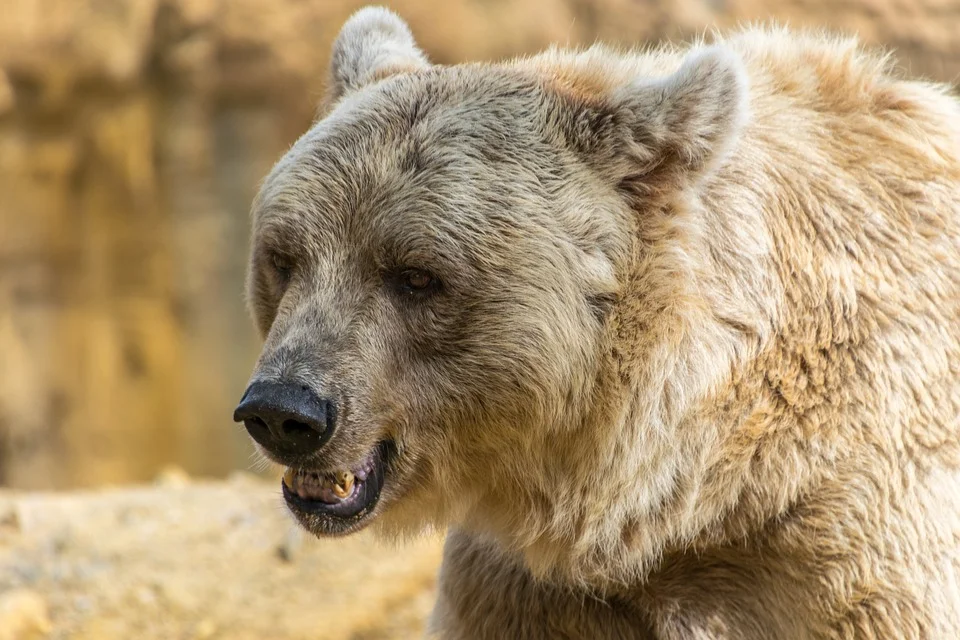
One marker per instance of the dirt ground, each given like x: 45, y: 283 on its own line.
x: 194, y: 560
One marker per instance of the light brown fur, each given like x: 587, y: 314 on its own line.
x: 695, y: 371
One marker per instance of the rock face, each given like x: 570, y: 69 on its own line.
x: 132, y: 137
x: 197, y: 561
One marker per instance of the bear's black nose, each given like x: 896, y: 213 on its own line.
x: 286, y: 418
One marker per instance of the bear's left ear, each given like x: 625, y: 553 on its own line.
x: 681, y: 125
x: 373, y: 44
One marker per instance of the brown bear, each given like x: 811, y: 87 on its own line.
x: 670, y: 341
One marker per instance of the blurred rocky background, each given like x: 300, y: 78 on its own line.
x: 133, y: 134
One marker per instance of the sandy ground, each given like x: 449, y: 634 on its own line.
x: 198, y: 560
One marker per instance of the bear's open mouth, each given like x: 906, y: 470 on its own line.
x: 337, y: 502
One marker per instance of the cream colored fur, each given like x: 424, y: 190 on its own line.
x: 695, y: 369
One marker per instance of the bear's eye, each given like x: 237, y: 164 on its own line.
x: 416, y: 281
x: 283, y: 265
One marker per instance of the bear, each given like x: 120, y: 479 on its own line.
x: 667, y: 342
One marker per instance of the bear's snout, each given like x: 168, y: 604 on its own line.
x: 287, y: 419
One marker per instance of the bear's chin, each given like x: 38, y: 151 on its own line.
x: 327, y: 514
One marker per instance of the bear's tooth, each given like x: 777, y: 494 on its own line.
x: 344, y: 484
x: 288, y: 476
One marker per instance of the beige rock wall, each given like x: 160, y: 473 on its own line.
x: 132, y: 136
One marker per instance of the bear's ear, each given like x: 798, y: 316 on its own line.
x: 373, y: 44
x: 681, y: 125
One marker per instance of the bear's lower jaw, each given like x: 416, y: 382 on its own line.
x: 333, y: 504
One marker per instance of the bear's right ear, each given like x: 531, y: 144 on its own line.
x: 373, y: 44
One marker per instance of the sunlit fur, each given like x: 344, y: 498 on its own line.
x: 695, y: 370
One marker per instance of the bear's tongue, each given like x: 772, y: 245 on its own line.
x: 330, y: 488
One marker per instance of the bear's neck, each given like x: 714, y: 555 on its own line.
x: 724, y: 391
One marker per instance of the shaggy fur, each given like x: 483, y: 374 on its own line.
x: 693, y: 370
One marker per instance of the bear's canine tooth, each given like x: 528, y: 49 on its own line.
x: 288, y: 476
x: 344, y: 484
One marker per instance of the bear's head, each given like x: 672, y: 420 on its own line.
x: 438, y: 268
